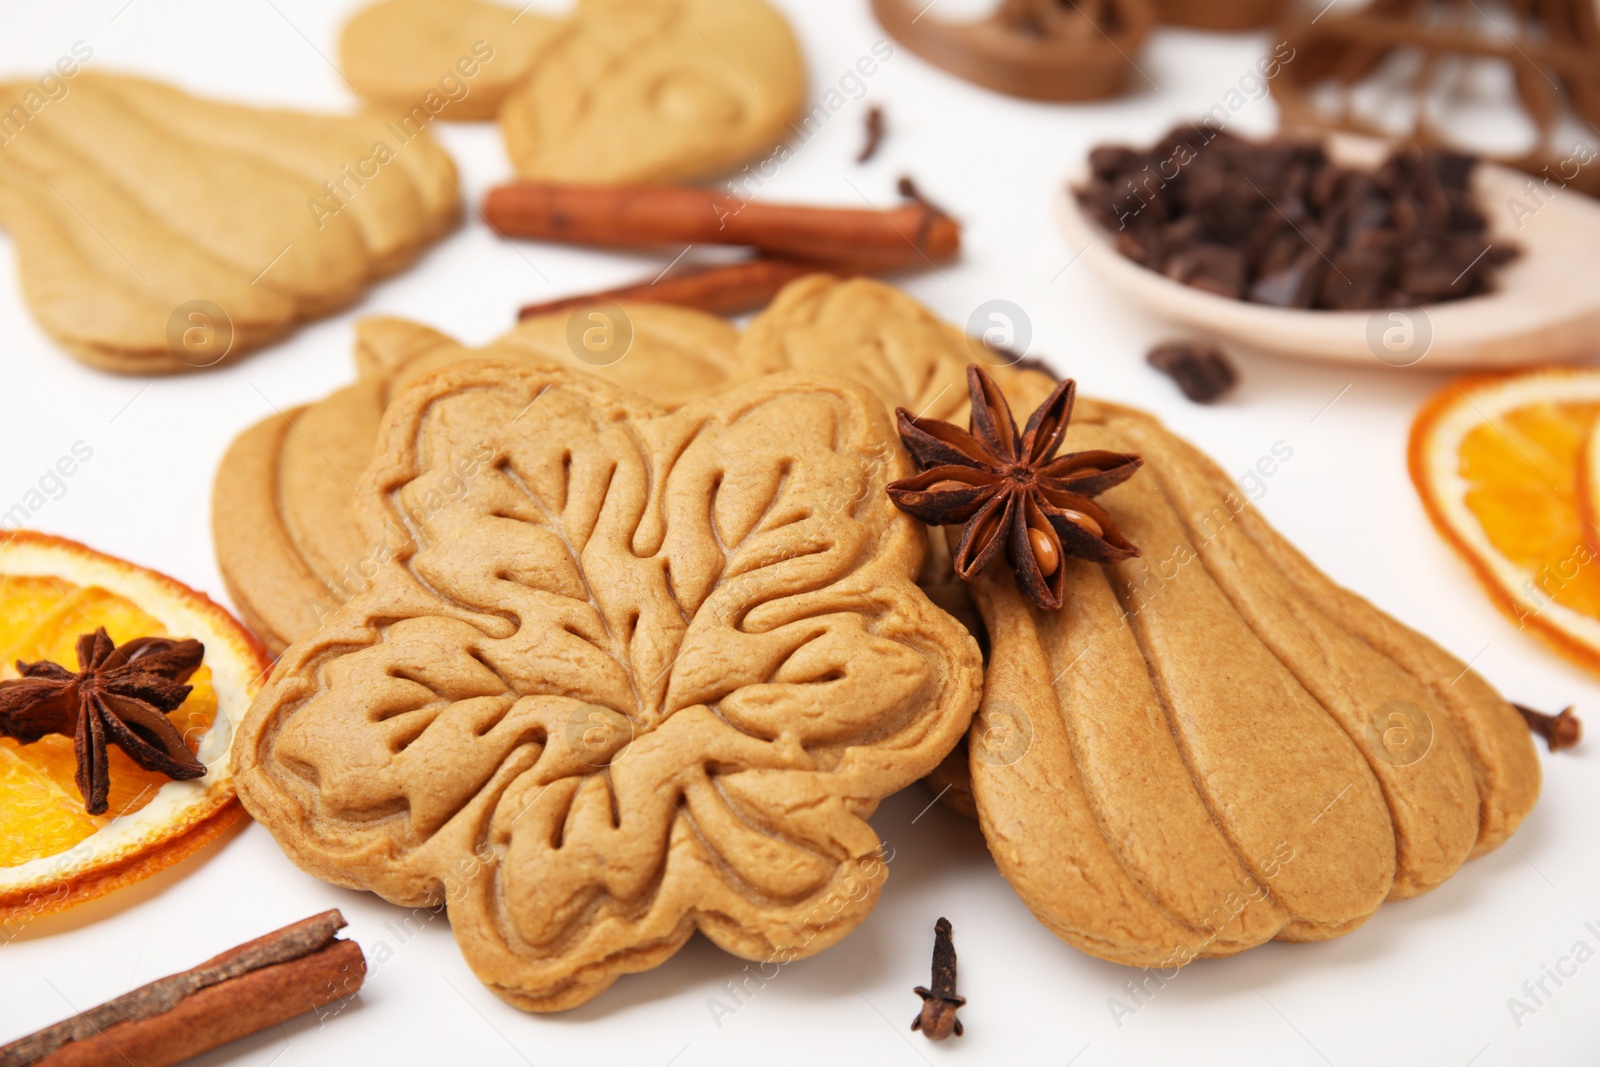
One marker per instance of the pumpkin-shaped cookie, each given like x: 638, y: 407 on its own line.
x: 158, y: 231
x: 641, y: 671
x: 1213, y: 744
x: 283, y: 505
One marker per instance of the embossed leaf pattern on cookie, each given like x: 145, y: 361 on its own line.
x: 646, y: 671
x: 283, y: 517
x: 158, y: 231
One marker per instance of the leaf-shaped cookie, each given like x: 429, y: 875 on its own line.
x: 656, y: 91
x: 647, y: 671
x: 453, y: 59
x: 283, y: 515
x: 283, y: 507
x: 158, y: 231
x: 1213, y: 744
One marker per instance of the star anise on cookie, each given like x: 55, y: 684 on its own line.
x: 119, y: 696
x: 1012, y: 490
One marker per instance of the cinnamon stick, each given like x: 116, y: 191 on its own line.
x: 726, y: 289
x: 908, y: 235
x: 258, y: 984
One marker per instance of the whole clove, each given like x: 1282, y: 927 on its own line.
x: 1200, y: 370
x: 875, y: 131
x: 937, y: 1019
x: 1559, y: 731
x: 1279, y: 223
x: 932, y: 212
x: 909, y: 189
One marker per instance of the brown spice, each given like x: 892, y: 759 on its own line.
x: 933, y: 212
x: 909, y: 189
x: 118, y: 696
x: 875, y: 131
x: 1011, y: 489
x: 727, y: 289
x: 244, y: 990
x: 1416, y: 52
x: 1279, y: 223
x: 937, y: 1019
x: 1200, y: 370
x: 641, y: 216
x: 1559, y: 731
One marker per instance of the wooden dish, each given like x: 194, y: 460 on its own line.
x: 1034, y: 49
x: 1545, y: 307
x: 1219, y: 15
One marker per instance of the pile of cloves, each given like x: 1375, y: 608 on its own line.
x: 1279, y: 223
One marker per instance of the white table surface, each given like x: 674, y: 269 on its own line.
x: 1424, y: 982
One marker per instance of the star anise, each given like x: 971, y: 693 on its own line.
x: 119, y: 696
x: 1011, y: 489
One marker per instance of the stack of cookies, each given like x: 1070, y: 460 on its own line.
x: 161, y: 232
x: 602, y: 655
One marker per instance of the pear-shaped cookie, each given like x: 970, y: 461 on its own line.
x: 656, y: 91
x: 1213, y: 744
x: 642, y: 672
x: 157, y: 231
x: 283, y: 504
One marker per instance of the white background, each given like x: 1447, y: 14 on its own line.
x: 1425, y: 981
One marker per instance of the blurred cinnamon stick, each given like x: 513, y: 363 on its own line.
x: 258, y: 984
x: 908, y: 235
x: 726, y: 289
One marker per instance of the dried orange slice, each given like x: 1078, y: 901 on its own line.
x: 53, y: 854
x: 1503, y: 464
x: 1589, y: 489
